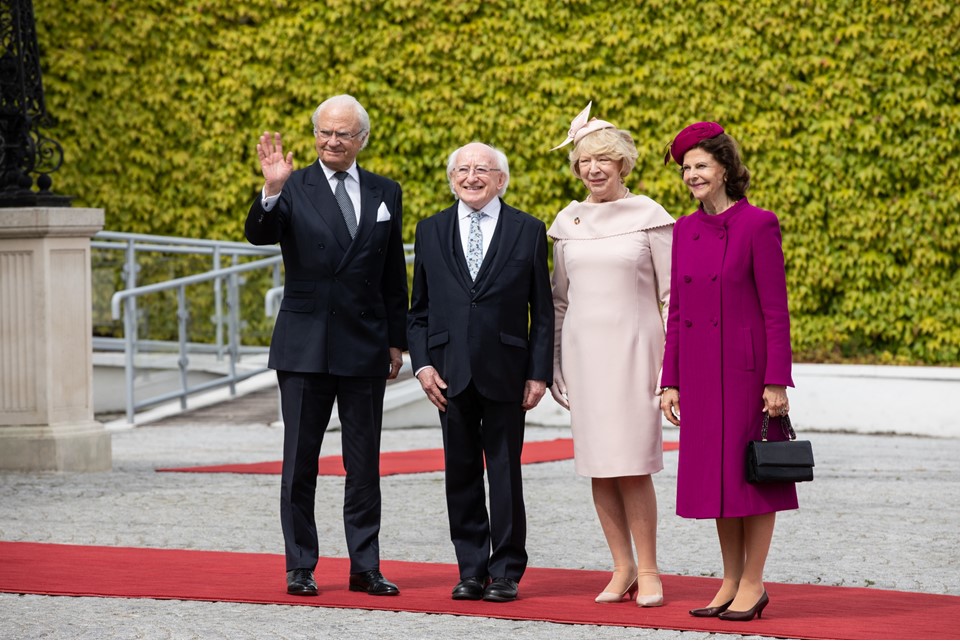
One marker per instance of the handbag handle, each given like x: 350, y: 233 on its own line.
x: 785, y: 425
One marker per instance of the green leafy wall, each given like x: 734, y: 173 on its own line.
x: 847, y: 113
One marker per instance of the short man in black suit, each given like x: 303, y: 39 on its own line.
x: 341, y: 330
x: 480, y: 329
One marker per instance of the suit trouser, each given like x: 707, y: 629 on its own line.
x: 306, y: 401
x: 475, y: 428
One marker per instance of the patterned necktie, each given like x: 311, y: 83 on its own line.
x: 346, y: 205
x: 475, y: 244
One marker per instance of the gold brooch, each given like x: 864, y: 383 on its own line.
x: 576, y: 221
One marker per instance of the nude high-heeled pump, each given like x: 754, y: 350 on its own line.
x: 614, y: 597
x: 650, y: 600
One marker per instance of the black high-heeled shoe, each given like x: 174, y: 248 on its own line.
x: 747, y: 615
x: 711, y: 612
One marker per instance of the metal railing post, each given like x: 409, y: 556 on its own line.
x: 218, y: 304
x: 233, y: 320
x: 277, y: 276
x: 183, y: 317
x: 237, y: 325
x: 130, y: 326
x: 129, y: 332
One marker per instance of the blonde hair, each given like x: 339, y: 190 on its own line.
x: 615, y: 143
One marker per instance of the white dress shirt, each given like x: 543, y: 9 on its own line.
x: 352, y: 184
x: 488, y: 223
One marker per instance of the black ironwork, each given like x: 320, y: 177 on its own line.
x: 24, y: 150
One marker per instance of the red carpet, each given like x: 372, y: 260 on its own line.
x: 406, y: 462
x: 559, y: 596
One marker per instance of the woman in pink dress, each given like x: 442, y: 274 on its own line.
x: 728, y: 357
x: 610, y: 292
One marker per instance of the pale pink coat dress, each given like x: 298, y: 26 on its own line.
x: 611, y: 291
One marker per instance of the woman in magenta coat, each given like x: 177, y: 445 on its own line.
x: 728, y: 356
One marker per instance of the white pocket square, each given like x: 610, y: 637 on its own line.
x: 383, y: 213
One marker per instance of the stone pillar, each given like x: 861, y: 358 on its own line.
x: 46, y: 342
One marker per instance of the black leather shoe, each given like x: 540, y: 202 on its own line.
x: 746, y: 615
x: 470, y: 588
x: 711, y: 612
x: 301, y: 583
x: 372, y: 582
x: 501, y: 589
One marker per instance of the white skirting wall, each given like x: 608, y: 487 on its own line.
x: 866, y: 399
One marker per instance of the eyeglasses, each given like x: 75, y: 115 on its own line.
x: 463, y: 171
x: 326, y: 134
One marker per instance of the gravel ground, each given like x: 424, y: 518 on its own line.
x: 878, y: 515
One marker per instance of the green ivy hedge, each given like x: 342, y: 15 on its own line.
x: 847, y: 112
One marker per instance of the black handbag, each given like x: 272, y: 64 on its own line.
x: 788, y: 461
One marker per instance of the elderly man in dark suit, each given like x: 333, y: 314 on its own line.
x: 340, y: 333
x: 480, y: 329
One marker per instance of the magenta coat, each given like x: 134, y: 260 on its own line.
x: 728, y: 335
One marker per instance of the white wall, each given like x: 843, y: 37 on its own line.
x: 854, y: 398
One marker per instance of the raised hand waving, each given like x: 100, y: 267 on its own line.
x: 275, y: 167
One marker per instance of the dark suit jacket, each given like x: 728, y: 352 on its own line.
x: 497, y: 331
x: 344, y: 302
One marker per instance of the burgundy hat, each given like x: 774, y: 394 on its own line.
x: 690, y: 137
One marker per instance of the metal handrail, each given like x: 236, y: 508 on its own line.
x: 124, y: 304
x: 133, y: 243
x: 107, y: 344
x: 180, y: 284
x: 227, y: 342
x: 119, y: 297
x: 149, y: 242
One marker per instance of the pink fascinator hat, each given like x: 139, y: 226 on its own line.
x: 582, y: 125
x: 690, y: 137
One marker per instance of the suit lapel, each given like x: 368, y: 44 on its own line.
x: 370, y: 198
x: 321, y: 197
x: 508, y: 231
x: 448, y: 227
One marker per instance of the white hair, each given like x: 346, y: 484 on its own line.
x: 501, y: 162
x: 345, y: 100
